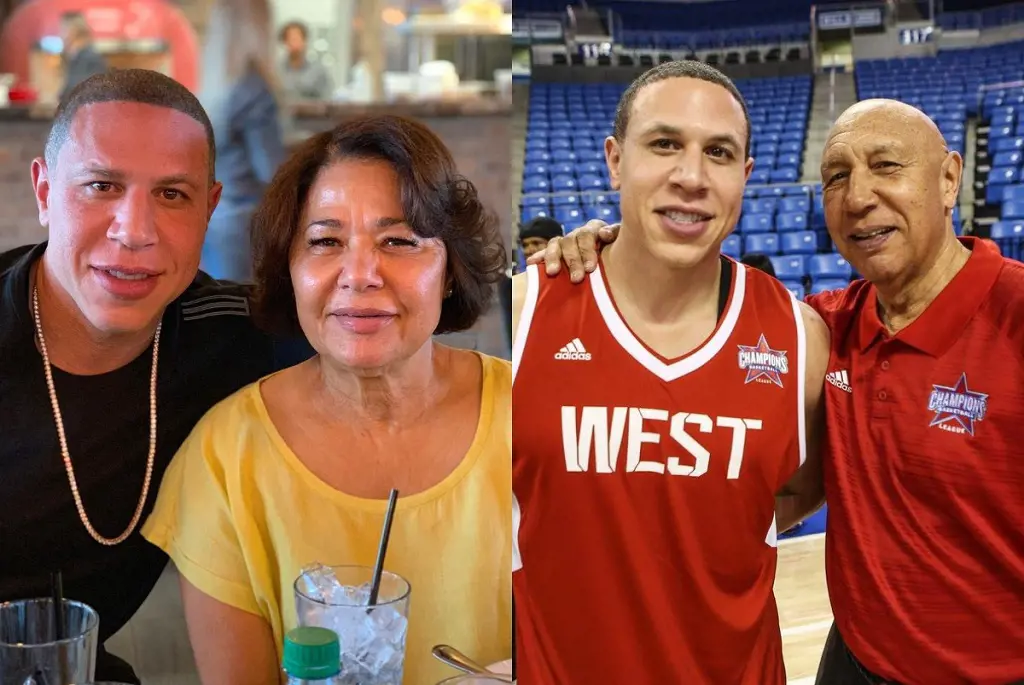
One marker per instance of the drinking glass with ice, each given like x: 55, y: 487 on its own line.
x: 372, y: 637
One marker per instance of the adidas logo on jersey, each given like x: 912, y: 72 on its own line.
x: 574, y: 351
x: 840, y: 380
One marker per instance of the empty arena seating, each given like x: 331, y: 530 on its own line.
x: 986, y: 18
x: 771, y: 34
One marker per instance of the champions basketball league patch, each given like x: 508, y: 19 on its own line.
x: 956, y: 407
x: 762, y: 363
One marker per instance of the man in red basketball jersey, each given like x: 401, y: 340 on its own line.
x: 689, y: 391
x: 924, y: 464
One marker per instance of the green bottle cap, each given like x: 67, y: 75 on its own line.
x: 312, y: 653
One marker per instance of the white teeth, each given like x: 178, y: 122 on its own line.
x: 686, y: 217
x: 127, y: 277
x: 872, y: 234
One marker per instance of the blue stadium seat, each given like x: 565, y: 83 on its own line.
x: 765, y: 243
x: 570, y: 217
x: 534, y: 201
x: 560, y: 184
x: 790, y: 267
x: 791, y: 221
x: 1014, y: 209
x: 785, y: 175
x: 566, y: 199
x: 796, y: 288
x: 732, y: 247
x: 800, y: 203
x: 790, y: 159
x: 607, y: 213
x: 1008, y: 235
x: 760, y: 176
x: 756, y: 223
x: 1011, y: 192
x: 828, y: 284
x: 826, y: 266
x: 1002, y: 144
x: 1007, y: 158
x: 799, y: 242
x: 592, y: 182
x: 531, y: 213
x: 1003, y: 175
x: 536, y: 184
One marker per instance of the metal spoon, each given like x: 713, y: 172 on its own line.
x: 456, y: 659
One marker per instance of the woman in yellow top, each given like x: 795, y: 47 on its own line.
x: 369, y: 242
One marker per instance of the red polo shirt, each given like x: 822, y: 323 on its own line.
x: 924, y: 476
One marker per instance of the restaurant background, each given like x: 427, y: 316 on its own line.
x: 445, y: 62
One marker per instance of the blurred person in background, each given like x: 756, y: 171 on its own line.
x: 302, y: 77
x: 370, y: 243
x: 534, y: 236
x: 759, y: 261
x: 239, y: 93
x: 80, y: 57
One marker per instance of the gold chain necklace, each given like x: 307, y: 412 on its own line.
x: 110, y: 542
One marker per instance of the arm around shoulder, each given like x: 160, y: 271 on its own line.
x: 804, y: 493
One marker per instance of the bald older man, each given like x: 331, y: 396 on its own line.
x: 924, y: 470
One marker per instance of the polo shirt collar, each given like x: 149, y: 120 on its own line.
x: 942, y: 322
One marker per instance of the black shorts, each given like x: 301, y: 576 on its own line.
x: 840, y: 667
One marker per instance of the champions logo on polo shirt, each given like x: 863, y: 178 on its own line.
x: 762, y: 363
x: 957, y: 407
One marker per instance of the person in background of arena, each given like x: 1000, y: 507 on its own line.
x: 759, y: 261
x: 924, y: 548
x: 659, y: 523
x: 534, y: 236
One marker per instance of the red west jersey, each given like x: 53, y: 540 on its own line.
x: 644, y: 488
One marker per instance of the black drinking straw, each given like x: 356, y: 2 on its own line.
x: 57, y: 594
x: 382, y: 549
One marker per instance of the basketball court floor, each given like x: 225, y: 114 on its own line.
x: 802, y: 598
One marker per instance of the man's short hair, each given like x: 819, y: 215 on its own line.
x: 127, y: 85
x: 293, y: 24
x: 676, y: 69
x: 437, y: 202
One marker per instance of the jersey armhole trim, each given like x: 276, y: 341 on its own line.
x: 525, y: 318
x: 801, y: 378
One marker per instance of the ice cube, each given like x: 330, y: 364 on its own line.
x: 318, y: 582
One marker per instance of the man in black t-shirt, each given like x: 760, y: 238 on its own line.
x: 110, y: 321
